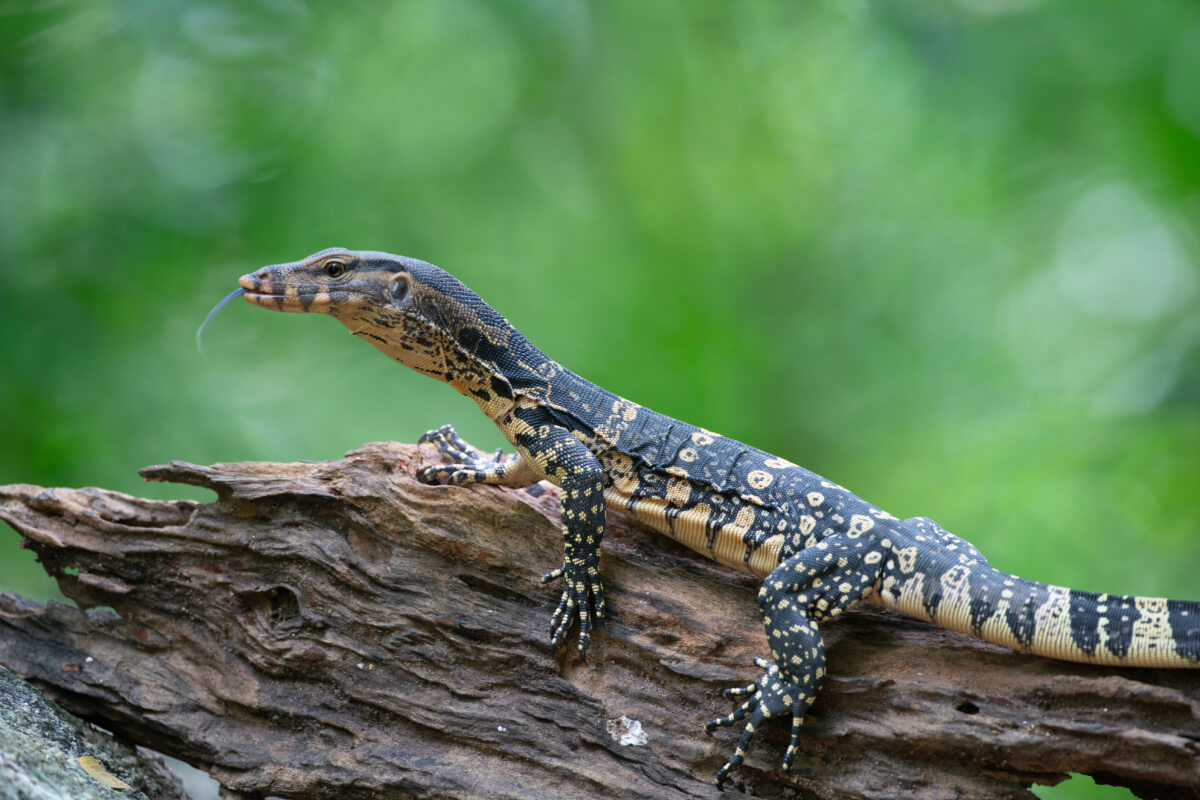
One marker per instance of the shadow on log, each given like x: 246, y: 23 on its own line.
x: 339, y: 630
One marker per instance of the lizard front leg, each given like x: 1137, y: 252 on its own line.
x: 552, y: 451
x: 545, y: 451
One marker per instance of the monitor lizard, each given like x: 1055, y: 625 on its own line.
x: 817, y: 547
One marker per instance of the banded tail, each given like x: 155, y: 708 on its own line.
x: 1046, y: 620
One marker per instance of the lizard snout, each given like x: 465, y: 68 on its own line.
x: 260, y: 289
x: 257, y: 281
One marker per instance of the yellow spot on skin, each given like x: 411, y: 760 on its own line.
x: 760, y: 479
x: 702, y: 438
x: 688, y: 455
x: 860, y: 524
x: 624, y: 485
x: 678, y: 491
x: 778, y: 463
x: 815, y: 499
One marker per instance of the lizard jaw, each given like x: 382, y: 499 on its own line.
x: 261, y: 291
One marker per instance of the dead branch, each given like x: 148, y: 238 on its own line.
x: 339, y: 630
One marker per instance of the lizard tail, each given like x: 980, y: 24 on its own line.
x: 1046, y: 620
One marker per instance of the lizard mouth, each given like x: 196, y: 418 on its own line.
x: 264, y: 293
x: 260, y: 290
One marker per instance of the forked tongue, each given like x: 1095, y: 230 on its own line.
x: 203, y: 325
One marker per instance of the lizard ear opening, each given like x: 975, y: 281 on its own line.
x: 398, y: 288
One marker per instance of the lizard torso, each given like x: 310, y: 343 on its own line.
x: 740, y: 506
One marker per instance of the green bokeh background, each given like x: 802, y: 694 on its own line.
x: 943, y: 253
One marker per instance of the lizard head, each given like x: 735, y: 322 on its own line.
x: 412, y: 311
x: 333, y: 281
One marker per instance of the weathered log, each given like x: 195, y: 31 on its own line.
x: 339, y: 630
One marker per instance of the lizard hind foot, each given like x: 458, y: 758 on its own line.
x: 582, y: 599
x: 775, y: 694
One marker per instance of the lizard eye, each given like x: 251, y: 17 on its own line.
x: 335, y: 269
x: 399, y: 288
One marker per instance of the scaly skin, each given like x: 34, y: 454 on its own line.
x: 817, y: 547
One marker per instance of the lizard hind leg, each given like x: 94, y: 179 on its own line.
x: 817, y: 583
x: 925, y: 529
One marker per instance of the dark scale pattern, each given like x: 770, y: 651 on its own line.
x: 818, y: 547
x: 1103, y: 622
x: 1184, y: 618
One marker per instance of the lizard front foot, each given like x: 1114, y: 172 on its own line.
x: 469, y: 464
x: 582, y: 597
x: 774, y: 694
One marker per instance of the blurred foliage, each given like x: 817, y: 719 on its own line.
x: 943, y: 253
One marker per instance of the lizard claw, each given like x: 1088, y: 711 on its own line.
x: 446, y: 475
x: 448, y: 443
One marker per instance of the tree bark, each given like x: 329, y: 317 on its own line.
x: 339, y: 630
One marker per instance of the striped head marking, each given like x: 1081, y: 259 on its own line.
x: 414, y: 312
